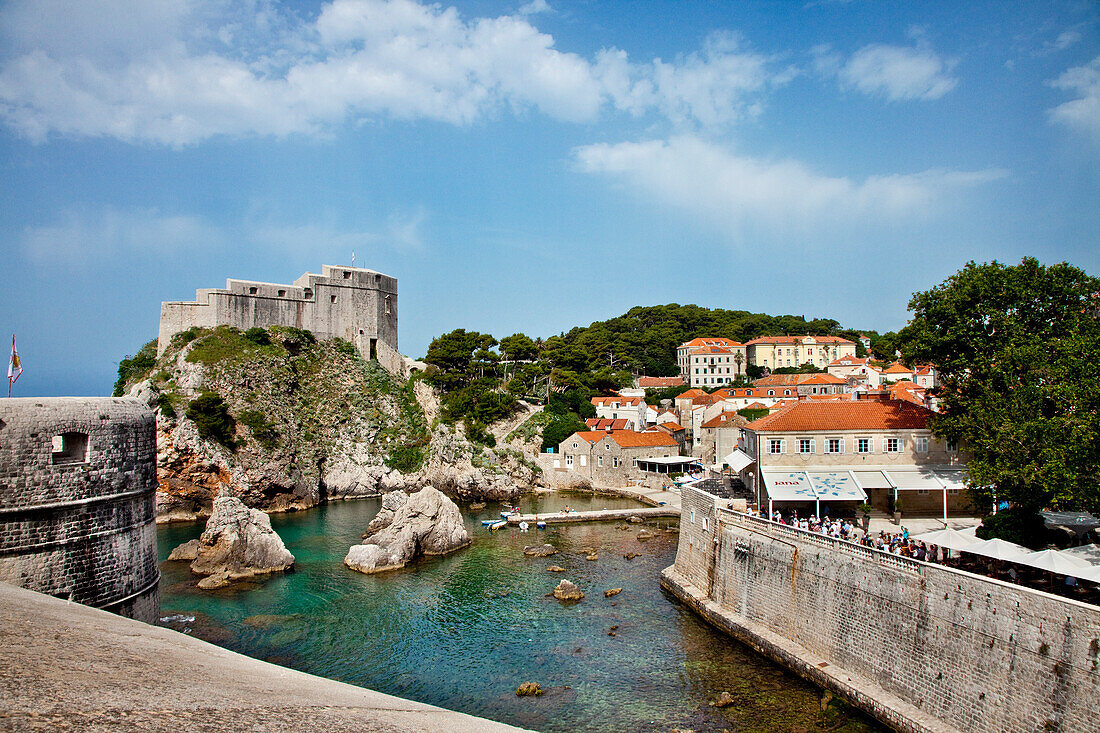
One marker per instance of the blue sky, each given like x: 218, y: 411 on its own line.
x: 530, y: 167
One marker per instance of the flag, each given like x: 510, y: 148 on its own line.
x: 15, y: 366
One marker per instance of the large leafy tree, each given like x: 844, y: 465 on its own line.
x: 1018, y: 350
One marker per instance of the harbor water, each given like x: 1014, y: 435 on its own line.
x: 464, y: 631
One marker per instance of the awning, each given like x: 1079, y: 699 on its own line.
x: 952, y: 480
x: 872, y: 480
x: 738, y: 460
x: 836, y: 486
x: 788, y: 486
x: 914, y: 479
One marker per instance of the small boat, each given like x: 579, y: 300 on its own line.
x: 497, y: 525
x: 540, y: 525
x: 487, y: 522
x: 505, y: 515
x: 523, y: 526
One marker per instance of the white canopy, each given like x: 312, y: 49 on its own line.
x: 738, y: 460
x: 788, y: 486
x: 997, y: 549
x: 914, y: 479
x: 812, y: 485
x: 1055, y: 562
x: 872, y: 480
x: 1088, y: 553
x: 836, y: 486
x: 949, y: 538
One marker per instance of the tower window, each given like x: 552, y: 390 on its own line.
x: 253, y: 291
x: 387, y: 305
x: 347, y: 275
x: 282, y: 293
x: 70, y: 448
x: 333, y: 298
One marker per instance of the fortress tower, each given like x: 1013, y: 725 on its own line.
x: 351, y: 303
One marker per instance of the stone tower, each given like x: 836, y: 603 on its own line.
x: 351, y: 303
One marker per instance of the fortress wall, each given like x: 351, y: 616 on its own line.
x: 77, y: 501
x: 973, y: 652
x: 343, y: 302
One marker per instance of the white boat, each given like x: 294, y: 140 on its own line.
x: 497, y: 525
x: 523, y: 526
x: 540, y: 525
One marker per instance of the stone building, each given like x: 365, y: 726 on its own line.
x: 77, y: 501
x: 849, y: 450
x: 707, y: 362
x: 351, y: 303
x: 611, y: 458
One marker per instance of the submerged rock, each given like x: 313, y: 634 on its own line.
x: 555, y: 569
x: 612, y: 592
x: 632, y: 555
x: 540, y: 550
x: 424, y: 523
x: 645, y: 534
x: 187, y: 551
x: 724, y: 701
x: 567, y: 591
x: 635, y: 520
x: 238, y: 542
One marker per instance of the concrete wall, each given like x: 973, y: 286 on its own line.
x: 80, y: 524
x: 343, y: 302
x: 975, y: 653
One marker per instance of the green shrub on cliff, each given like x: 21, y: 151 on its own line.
x: 263, y: 431
x: 135, y: 368
x: 212, y: 419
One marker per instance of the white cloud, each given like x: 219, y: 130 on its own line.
x: 79, y: 238
x: 534, y: 7
x: 737, y: 192
x: 896, y: 72
x: 1081, y: 114
x: 85, y: 239
x: 177, y: 73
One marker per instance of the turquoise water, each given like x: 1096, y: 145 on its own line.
x: 465, y: 630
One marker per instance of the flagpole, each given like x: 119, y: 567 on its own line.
x: 9, y: 366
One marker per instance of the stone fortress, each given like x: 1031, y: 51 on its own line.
x: 78, y: 501
x: 351, y: 303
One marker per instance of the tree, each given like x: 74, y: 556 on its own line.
x: 518, y: 347
x: 454, y: 353
x: 1018, y: 351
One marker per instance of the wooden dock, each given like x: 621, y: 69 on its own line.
x: 595, y: 516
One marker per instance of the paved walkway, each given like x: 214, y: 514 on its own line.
x: 594, y: 516
x: 64, y: 666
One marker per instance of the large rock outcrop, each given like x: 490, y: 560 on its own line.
x: 409, y: 526
x: 238, y: 543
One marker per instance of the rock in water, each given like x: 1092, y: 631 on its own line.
x: 527, y: 689
x: 645, y: 534
x: 567, y: 591
x: 187, y: 551
x: 424, y: 523
x: 540, y: 550
x: 240, y: 543
x: 555, y: 569
x: 724, y: 700
x: 612, y: 592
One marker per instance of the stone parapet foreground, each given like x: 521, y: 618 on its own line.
x: 67, y: 666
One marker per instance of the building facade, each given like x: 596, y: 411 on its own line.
x: 773, y: 352
x: 610, y: 458
x: 351, y: 303
x: 711, y: 362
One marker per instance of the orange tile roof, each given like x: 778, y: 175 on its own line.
x: 797, y: 340
x: 782, y: 380
x: 897, y: 368
x: 716, y: 341
x: 849, y: 360
x: 755, y: 406
x: 690, y: 394
x: 648, y: 439
x: 624, y: 401
x: 823, y: 379
x: 724, y: 420
x: 712, y: 350
x: 660, y: 381
x: 597, y: 423
x: 807, y: 416
x: 674, y: 427
x: 590, y: 436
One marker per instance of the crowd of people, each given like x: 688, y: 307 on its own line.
x: 843, y: 528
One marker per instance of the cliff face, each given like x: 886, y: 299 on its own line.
x: 284, y: 422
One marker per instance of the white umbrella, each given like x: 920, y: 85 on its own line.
x: 1092, y: 574
x: 997, y: 549
x: 949, y: 538
x: 1055, y: 562
x: 1088, y: 553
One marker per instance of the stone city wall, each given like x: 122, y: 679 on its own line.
x: 972, y: 652
x: 351, y: 303
x: 77, y: 501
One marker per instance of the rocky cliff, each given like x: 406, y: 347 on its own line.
x: 285, y: 422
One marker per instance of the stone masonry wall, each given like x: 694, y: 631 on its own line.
x: 976, y: 653
x: 78, y: 523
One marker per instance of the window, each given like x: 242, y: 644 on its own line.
x: 693, y: 516
x: 614, y: 461
x: 599, y: 461
x: 775, y: 446
x: 574, y: 446
x: 635, y: 463
x: 332, y: 298
x: 805, y: 445
x: 282, y: 293
x: 607, y: 446
x: 307, y: 293
x: 836, y: 445
x: 253, y: 291
x: 70, y: 448
x: 863, y: 445
x: 387, y: 305
x: 569, y: 460
x: 892, y: 445
x: 922, y: 444
x: 952, y: 446
x: 347, y: 275
x: 706, y: 523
